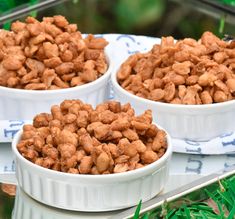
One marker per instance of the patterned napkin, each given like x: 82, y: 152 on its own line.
x: 8, y: 129
x: 224, y: 144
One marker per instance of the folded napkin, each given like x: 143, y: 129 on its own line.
x: 8, y: 129
x: 224, y: 144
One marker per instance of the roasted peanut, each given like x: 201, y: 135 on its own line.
x: 149, y: 157
x: 66, y: 149
x: 102, y: 162
x: 120, y: 168
x: 85, y: 165
x: 130, y: 134
x: 66, y: 136
x: 231, y: 85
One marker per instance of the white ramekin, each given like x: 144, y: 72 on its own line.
x: 91, y: 193
x: 19, y: 104
x: 189, y: 122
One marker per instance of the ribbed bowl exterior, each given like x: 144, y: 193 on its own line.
x: 19, y: 104
x: 22, y: 108
x: 191, y: 122
x: 91, y: 192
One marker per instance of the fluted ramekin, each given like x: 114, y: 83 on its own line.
x: 91, y: 193
x: 19, y: 104
x: 189, y: 122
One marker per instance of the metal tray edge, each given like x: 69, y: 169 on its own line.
x: 172, y: 195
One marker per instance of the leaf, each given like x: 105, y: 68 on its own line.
x: 6, y: 5
x: 146, y: 216
x: 232, y: 213
x: 187, y: 211
x: 7, y: 26
x: 137, y: 211
x: 228, y: 2
x: 226, y: 198
x: 138, y: 13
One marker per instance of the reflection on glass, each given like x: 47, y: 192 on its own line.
x: 6, y: 200
x: 27, y: 208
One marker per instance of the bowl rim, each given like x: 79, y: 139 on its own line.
x: 82, y: 87
x: 141, y: 100
x: 132, y: 173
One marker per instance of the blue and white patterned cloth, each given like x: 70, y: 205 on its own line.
x: 127, y: 45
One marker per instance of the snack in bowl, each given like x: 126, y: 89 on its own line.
x: 39, y: 59
x: 109, y: 151
x: 183, y: 72
x: 49, y: 55
x: 75, y: 138
x: 185, y: 83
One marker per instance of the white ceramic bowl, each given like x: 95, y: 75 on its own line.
x: 191, y: 122
x: 19, y: 104
x: 91, y: 192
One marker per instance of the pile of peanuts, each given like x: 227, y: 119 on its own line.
x: 182, y: 72
x: 76, y: 138
x: 49, y: 55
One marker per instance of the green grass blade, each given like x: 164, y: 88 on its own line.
x: 137, y: 211
x: 232, y: 213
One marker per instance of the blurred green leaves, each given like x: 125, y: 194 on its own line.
x: 139, y: 13
x: 6, y: 5
x: 141, y: 17
x: 228, y: 2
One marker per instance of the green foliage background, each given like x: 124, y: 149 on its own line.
x: 143, y: 17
